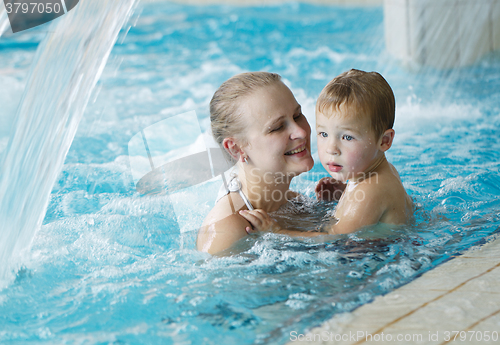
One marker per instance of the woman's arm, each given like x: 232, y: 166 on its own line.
x: 221, y: 234
x: 260, y: 221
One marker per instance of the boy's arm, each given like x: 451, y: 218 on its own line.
x: 260, y: 221
x: 361, y: 207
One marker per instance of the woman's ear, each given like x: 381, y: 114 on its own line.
x: 386, y: 139
x: 232, y: 147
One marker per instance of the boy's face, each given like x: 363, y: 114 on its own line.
x: 347, y: 145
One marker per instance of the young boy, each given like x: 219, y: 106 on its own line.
x: 354, y: 120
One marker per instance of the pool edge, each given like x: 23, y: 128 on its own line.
x: 460, y: 295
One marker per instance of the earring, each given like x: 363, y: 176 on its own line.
x: 245, y: 160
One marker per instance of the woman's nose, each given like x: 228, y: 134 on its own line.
x: 299, y: 132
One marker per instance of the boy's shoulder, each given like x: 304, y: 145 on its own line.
x: 385, y: 176
x: 382, y: 188
x: 362, y: 204
x: 379, y: 197
x: 386, y: 189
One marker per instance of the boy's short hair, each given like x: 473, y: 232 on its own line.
x: 368, y: 91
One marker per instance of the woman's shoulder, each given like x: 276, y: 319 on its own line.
x: 225, y: 206
x: 223, y: 226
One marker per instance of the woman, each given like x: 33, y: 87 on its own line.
x: 259, y: 124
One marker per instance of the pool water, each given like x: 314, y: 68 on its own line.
x: 111, y: 266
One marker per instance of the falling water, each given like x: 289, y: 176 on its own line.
x: 441, y: 34
x: 67, y: 65
x: 4, y: 21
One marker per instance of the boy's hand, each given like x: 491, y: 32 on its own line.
x: 260, y: 221
x: 329, y: 189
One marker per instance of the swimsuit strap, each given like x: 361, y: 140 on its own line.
x: 234, y: 185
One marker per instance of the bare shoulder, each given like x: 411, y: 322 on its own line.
x: 365, y: 196
x: 223, y: 226
x: 380, y: 197
x: 398, y: 204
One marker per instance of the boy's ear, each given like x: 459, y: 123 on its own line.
x: 232, y: 147
x: 386, y: 139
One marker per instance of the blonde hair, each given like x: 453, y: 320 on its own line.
x: 368, y: 91
x: 225, y: 115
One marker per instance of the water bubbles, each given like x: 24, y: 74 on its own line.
x: 452, y: 200
x: 297, y: 305
x: 355, y: 274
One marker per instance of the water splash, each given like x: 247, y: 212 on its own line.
x: 4, y: 21
x: 441, y: 34
x: 67, y: 65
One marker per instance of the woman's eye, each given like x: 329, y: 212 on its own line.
x: 276, y: 129
x: 296, y: 117
x: 347, y: 137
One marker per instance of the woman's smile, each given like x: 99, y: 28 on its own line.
x: 297, y: 150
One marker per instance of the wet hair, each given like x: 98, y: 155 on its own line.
x: 367, y: 91
x: 226, y: 119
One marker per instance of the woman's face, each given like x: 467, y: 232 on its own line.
x: 277, y: 133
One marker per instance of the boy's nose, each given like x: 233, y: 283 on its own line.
x: 333, y: 149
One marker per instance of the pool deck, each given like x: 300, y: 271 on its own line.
x: 460, y: 295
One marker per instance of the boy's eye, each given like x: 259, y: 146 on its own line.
x: 323, y: 134
x: 276, y: 129
x: 347, y: 137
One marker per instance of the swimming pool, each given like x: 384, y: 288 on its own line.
x: 110, y: 266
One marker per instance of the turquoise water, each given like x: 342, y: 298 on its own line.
x: 111, y: 266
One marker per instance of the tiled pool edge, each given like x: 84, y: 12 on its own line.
x: 461, y: 294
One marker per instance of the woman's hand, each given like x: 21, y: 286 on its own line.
x: 329, y: 189
x: 260, y: 221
